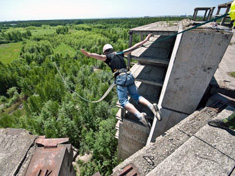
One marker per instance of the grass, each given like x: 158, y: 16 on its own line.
x: 231, y: 43
x: 35, y: 30
x: 232, y: 74
x: 9, y: 52
x: 43, y: 31
x: 20, y: 29
x: 65, y: 49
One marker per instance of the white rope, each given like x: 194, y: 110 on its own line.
x: 105, y: 94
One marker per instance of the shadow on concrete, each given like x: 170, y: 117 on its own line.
x: 232, y: 132
x: 216, y: 88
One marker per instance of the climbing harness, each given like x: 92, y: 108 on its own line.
x: 119, y: 71
x: 122, y: 52
x: 105, y: 94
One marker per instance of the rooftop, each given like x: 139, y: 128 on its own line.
x: 22, y: 153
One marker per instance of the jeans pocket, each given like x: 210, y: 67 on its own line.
x: 125, y: 80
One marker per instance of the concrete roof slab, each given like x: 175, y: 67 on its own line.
x: 14, y: 146
x: 196, y: 158
x: 219, y: 138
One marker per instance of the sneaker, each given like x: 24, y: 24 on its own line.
x: 156, y: 111
x: 218, y: 124
x: 144, y: 121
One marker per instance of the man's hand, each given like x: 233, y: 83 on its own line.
x: 148, y: 36
x: 129, y: 50
x: 85, y: 53
x: 94, y: 55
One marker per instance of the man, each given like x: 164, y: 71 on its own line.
x: 125, y: 80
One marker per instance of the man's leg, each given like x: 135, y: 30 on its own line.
x: 136, y: 97
x: 132, y: 89
x: 123, y: 99
x: 152, y: 107
x: 129, y: 107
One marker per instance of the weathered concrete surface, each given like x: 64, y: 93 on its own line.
x: 211, y: 151
x: 158, y: 28
x: 222, y: 81
x: 158, y: 49
x: 197, y: 59
x: 14, y: 147
x: 132, y: 137
x: 221, y: 140
x: 169, y: 119
x: 195, y: 158
x: 150, y: 156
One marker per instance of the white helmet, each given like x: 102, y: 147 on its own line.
x: 106, y: 47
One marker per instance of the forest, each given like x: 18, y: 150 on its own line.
x: 34, y: 97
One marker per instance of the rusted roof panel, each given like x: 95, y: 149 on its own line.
x: 51, y: 142
x: 46, y: 161
x: 49, y: 156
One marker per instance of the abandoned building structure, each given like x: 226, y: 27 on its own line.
x: 174, y: 70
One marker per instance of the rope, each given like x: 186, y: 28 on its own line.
x: 122, y: 52
x: 89, y: 101
x: 173, y: 35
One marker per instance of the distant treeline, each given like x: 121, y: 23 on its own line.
x: 130, y: 22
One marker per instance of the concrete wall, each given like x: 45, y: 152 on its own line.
x: 132, y: 137
x: 198, y: 55
x: 193, y: 62
x: 169, y: 119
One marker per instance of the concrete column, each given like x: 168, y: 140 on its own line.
x: 210, y: 13
x: 204, y: 18
x: 195, y: 14
x: 130, y: 44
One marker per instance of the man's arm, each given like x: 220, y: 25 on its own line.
x: 94, y: 55
x: 129, y: 50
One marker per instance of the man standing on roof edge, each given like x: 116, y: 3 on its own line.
x: 125, y: 80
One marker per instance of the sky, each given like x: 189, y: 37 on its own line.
x: 14, y: 10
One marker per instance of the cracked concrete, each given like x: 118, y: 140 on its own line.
x: 152, y: 155
x: 15, y: 151
x: 210, y: 151
x: 189, y: 148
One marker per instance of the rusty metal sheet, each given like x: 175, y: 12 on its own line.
x: 51, y: 142
x: 129, y: 170
x: 46, y: 161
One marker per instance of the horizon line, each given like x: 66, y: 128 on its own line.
x: 95, y: 18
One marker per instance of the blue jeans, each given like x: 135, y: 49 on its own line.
x: 123, y: 91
